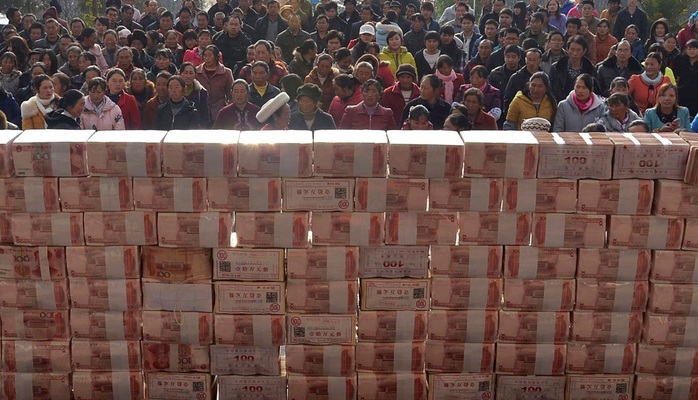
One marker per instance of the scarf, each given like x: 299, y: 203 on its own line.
x: 44, y: 106
x: 649, y: 81
x: 448, y: 84
x: 583, y: 106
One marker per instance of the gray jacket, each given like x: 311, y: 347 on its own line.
x: 613, y: 125
x: 569, y: 119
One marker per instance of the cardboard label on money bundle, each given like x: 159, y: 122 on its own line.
x: 105, y: 325
x: 600, y: 358
x: 177, y: 386
x: 662, y: 360
x: 363, y: 153
x: 272, y: 229
x: 569, y: 230
x: 105, y: 295
x: 275, y: 154
x: 599, y: 387
x: 248, y: 264
x: 466, y: 293
x: 37, y: 386
x: 467, y: 261
x: 491, y: 228
x: 178, y: 327
x: 619, y: 196
x: 170, y: 194
x: 652, y: 387
x: 539, y: 295
x: 530, y: 387
x: 209, y: 153
x: 396, y: 195
x: 310, y: 360
x: 250, y: 330
x: 394, y: 262
x: 574, y: 155
x: 352, y: 229
x: 334, y: 297
x: 395, y: 294
x: 606, y: 327
x: 175, y: 357
x: 670, y: 330
x: 312, y: 387
x: 34, y: 356
x: 673, y: 299
x: 325, y: 329
x: 500, y: 154
x: 244, y: 360
x: 465, y: 194
x: 209, y: 229
x: 390, y: 357
x: 34, y: 295
x: 421, y: 228
x: 35, y: 195
x: 176, y: 265
x: 459, y: 357
x: 250, y: 387
x: 645, y: 232
x: 614, y: 264
x: 51, y: 152
x: 117, y: 385
x: 461, y: 386
x: 318, y: 194
x: 106, y: 356
x: 469, y: 326
x: 322, y: 263
x: 57, y: 229
x: 7, y: 168
x: 402, y: 386
x: 649, y: 155
x: 674, y: 266
x: 418, y: 154
x: 131, y: 153
x: 110, y: 262
x: 530, y: 359
x: 524, y: 262
x: 32, y: 263
x: 195, y: 297
x: 120, y: 228
x: 533, y: 327
x: 96, y: 194
x: 595, y: 295
x: 392, y: 326
x: 540, y: 195
x: 34, y: 325
x: 244, y: 194
x: 250, y: 297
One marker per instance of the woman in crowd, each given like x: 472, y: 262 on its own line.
x: 581, y: 107
x: 619, y: 115
x: 429, y: 98
x: 215, y: 78
x: 196, y: 94
x: 671, y: 50
x: 479, y: 120
x: 9, y: 74
x: 667, y: 115
x: 457, y: 122
x: 24, y: 93
x: 275, y: 114
x: 101, y: 113
x: 303, y: 59
x: 263, y: 51
x: 141, y: 89
x: 658, y: 32
x: 322, y: 75
x: 88, y: 42
x: 534, y: 101
x: 418, y: 120
x: 71, y: 67
x: 177, y: 112
x: 309, y: 115
x: 686, y: 69
x: 67, y: 115
x: 48, y: 57
x: 368, y: 114
x: 556, y: 18
x: 492, y: 102
x: 161, y: 97
x: 196, y: 55
x: 35, y: 109
x: 172, y: 43
x: 381, y: 69
x: 451, y: 80
x: 395, y: 53
x: 116, y: 82
x: 20, y: 48
x: 61, y: 83
x: 290, y: 84
x: 343, y: 61
x: 632, y: 35
x: 643, y: 87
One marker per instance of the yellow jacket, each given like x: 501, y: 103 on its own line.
x: 395, y: 60
x: 522, y: 108
x: 32, y: 118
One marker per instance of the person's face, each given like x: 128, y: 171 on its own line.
x: 536, y: 25
x: 405, y: 81
x: 446, y: 38
x: 510, y: 39
x: 366, y: 37
x: 188, y: 74
x: 7, y: 65
x: 476, y: 80
x: 47, y: 60
x: 497, y: 6
x: 153, y: 7
x: 490, y: 31
x: 259, y: 76
x: 166, y: 23
x: 344, y: 63
x: 201, y: 21
x: 602, y: 30
x: 585, y: 27
x: 262, y: 54
x: 467, y: 25
x: 417, y: 25
x: 78, y: 108
x: 110, y: 42
x: 623, y: 52
x: 127, y: 16
x: 204, y: 41
x: 35, y: 35
x: 240, y: 94
x: 341, y: 92
x: 27, y: 22
x: 445, y: 69
x: 46, y: 89
x: 112, y: 16
x: 366, y: 15
x: 349, y: 7
x: 431, y: 45
x: 284, y: 116
x: 100, y: 28
x: 632, y: 3
x: 575, y: 51
x: 185, y: 18
x: 83, y: 63
x: 511, y: 60
x: 532, y: 62
x: 505, y: 20
x: 76, y: 29
x: 613, y: 6
x: 660, y: 30
x: 691, y: 52
x: 537, y: 88
x: 386, y: 7
x: 321, y: 24
x: 294, y: 23
x: 116, y: 83
x: 171, y: 41
x: 161, y: 88
x: 618, y: 111
x: 371, y: 96
x: 581, y: 90
x: 244, y: 4
x: 17, y: 18
x: 448, y: 126
x: 96, y: 95
x: 427, y: 91
x: 587, y: 11
x: 410, y: 12
x: 556, y: 42
x: 273, y: 9
x: 306, y: 104
x: 218, y: 21
x: 138, y: 82
x: 427, y: 13
x: 324, y: 67
x: 162, y: 63
x: 395, y: 42
x: 63, y: 45
x: 572, y: 29
x: 472, y: 104
x: 670, y: 45
x: 91, y: 75
x: 553, y: 6
x: 175, y: 90
x: 651, y: 67
x: 631, y: 35
x: 667, y: 99
x: 209, y: 58
x: 125, y: 59
x: 190, y: 43
x: 333, y: 45
x: 52, y: 29
x: 420, y: 124
x: 363, y: 74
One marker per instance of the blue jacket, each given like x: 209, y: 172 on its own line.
x: 652, y: 119
x: 11, y: 109
x: 694, y: 125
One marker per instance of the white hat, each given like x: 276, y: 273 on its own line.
x: 535, y: 124
x: 272, y: 106
x: 367, y: 28
x: 124, y: 33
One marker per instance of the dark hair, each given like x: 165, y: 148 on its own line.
x: 418, y: 111
x: 39, y: 65
x: 693, y: 43
x: 480, y: 70
x: 342, y: 53
x: 52, y: 56
x: 242, y: 82
x: 344, y: 81
x: 530, y: 44
x: 334, y: 34
x: 538, y: 16
x: 183, y: 9
x: 186, y: 64
x: 470, y: 17
x: 21, y: 50
x: 512, y: 48
x: 427, y: 5
x: 444, y: 59
x: 461, y: 122
x: 390, y: 16
x: 474, y: 92
x: 89, y: 56
x: 392, y: 34
x: 178, y: 79
x: 322, y: 16
x: 87, y: 32
x: 331, y: 5
x: 417, y: 16
x: 374, y: 83
x: 260, y: 64
x: 578, y: 39
x: 166, y: 14
x: 93, y: 68
x: 639, y: 122
x: 115, y: 71
x: 605, y: 22
x: 574, y: 21
x: 432, y: 35
x: 189, y: 34
x: 618, y: 98
x: 594, y: 127
x: 11, y: 56
x: 62, y: 78
x: 307, y: 46
x: 657, y: 56
x: 163, y: 75
x: 587, y: 79
x: 163, y: 53
x: 97, y: 81
x: 433, y: 80
x: 36, y: 83
x: 554, y: 33
x: 36, y: 25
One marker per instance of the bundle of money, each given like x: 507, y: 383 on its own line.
x: 673, y: 299
x: 120, y: 228
x: 96, y: 194
x: 415, y: 154
x: 663, y: 360
x: 461, y: 386
x: 6, y: 228
x: 606, y: 327
x: 691, y: 175
x: 178, y: 327
x: 252, y: 297
x: 569, y: 230
x: 599, y: 387
x: 32, y: 194
x: 690, y: 236
x: 392, y: 326
x: 322, y: 263
x: 321, y: 360
x: 670, y: 330
x: 106, y: 356
x: 318, y: 194
x: 244, y: 194
x: 36, y: 386
x: 50, y: 152
x: 175, y: 357
x: 459, y: 357
x: 467, y: 261
x: 187, y: 297
x: 533, y: 327
x: 490, y: 228
x: 536, y: 387
x: 653, y: 387
x: 324, y: 329
x: 313, y: 387
x: 34, y: 325
x: 524, y: 262
x: 619, y: 196
x: 106, y: 325
x: 614, y: 264
x: 132, y: 153
x: 348, y: 229
x: 593, y: 295
x: 396, y: 195
x: 361, y: 154
x: 317, y: 297
x: 209, y: 153
x: 390, y: 357
x: 600, y: 358
x: 7, y: 168
x: 209, y: 229
x: 89, y: 385
x: 170, y: 194
x: 57, y: 229
x: 176, y: 264
x: 250, y: 330
x: 466, y: 293
x: 111, y: 262
x: 258, y: 229
x: 649, y: 155
x: 421, y: 228
x: 34, y: 295
x: 539, y: 295
x: 530, y: 359
x: 244, y: 360
x: 397, y: 386
x: 465, y: 194
x: 395, y: 294
x: 500, y: 154
x: 177, y: 386
x: 275, y: 154
x: 35, y: 356
x: 675, y: 199
x: 249, y: 264
x: 574, y: 155
x: 469, y: 326
x: 32, y: 263
x: 650, y: 232
x: 250, y: 387
x: 540, y: 195
x: 674, y: 266
x: 105, y: 295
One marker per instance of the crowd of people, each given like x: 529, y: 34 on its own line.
x: 259, y: 64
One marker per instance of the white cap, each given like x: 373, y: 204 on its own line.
x: 124, y: 33
x: 271, y: 106
x: 367, y: 28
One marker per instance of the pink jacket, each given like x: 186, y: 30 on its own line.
x: 193, y: 57
x: 110, y: 119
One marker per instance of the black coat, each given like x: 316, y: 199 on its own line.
x: 437, y: 114
x: 323, y: 120
x: 687, y: 78
x: 607, y: 70
x: 262, y: 26
x: 57, y: 120
x: 258, y: 100
x: 560, y: 81
x: 186, y: 118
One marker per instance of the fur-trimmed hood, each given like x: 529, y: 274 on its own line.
x: 30, y: 109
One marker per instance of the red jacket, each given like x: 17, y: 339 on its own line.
x: 686, y: 34
x: 356, y: 117
x: 484, y: 122
x: 457, y: 83
x: 129, y: 109
x: 392, y: 99
x: 338, y: 106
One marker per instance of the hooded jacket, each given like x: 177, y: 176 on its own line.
x: 613, y: 125
x: 32, y: 118
x: 109, y: 119
x: 395, y: 60
x: 608, y: 70
x: 522, y: 108
x: 569, y: 119
x: 186, y: 118
x: 322, y: 120
x: 392, y: 99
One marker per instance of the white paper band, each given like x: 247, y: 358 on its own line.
x: 515, y: 161
x: 24, y: 356
x: 544, y: 359
x: 628, y: 192
x: 689, y: 339
x: 114, y: 325
x: 118, y: 352
x: 359, y: 229
x: 658, y: 232
x: 436, y: 161
x: 60, y: 229
x: 528, y: 262
x: 620, y: 325
x: 34, y: 195
x: 213, y: 159
x: 183, y: 193
x: 506, y: 228
x: 545, y: 331
x: 478, y: 260
x: 472, y: 357
x: 109, y: 193
x: 479, y: 290
x: 480, y: 194
x: 24, y: 386
x: 121, y: 385
x: 258, y: 188
x: 377, y: 194
x: 404, y: 326
x: 613, y: 358
x: 44, y: 263
x: 407, y: 228
x: 288, y: 160
x: 402, y: 356
x: 339, y: 297
x: 45, y: 295
x: 261, y: 324
x: 336, y: 386
x: 116, y: 289
x: 684, y: 361
x: 555, y: 230
x: 526, y: 195
x: 208, y: 229
x: 114, y: 262
x: 336, y: 263
x: 135, y: 159
x: 19, y: 323
x: 405, y: 386
x: 189, y: 328
x: 332, y: 360
x: 135, y: 227
x: 627, y: 265
x: 475, y: 326
x: 363, y: 164
x: 552, y: 296
x: 60, y: 160
x: 632, y: 138
x: 681, y: 388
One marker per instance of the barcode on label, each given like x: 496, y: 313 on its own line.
x: 621, y: 388
x: 340, y: 193
x: 197, y: 386
x: 298, y: 332
x: 483, y: 386
x: 272, y: 297
x: 225, y: 266
x: 418, y: 293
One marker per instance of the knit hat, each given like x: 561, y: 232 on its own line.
x: 125, y: 33
x: 272, y: 106
x: 310, y: 90
x: 535, y: 124
x: 406, y: 69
